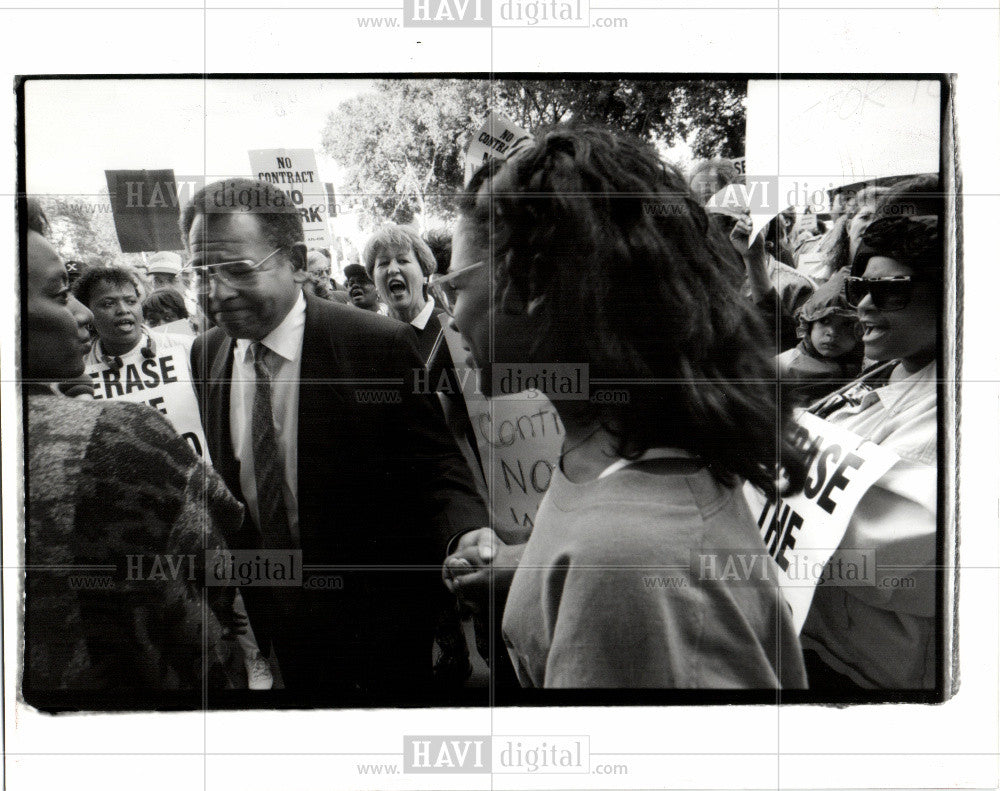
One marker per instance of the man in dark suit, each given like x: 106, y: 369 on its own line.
x: 313, y: 419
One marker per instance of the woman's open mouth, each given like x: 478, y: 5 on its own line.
x: 397, y: 287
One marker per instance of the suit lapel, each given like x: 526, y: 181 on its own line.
x: 220, y: 385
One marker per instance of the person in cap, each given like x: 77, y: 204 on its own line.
x: 76, y: 270
x: 164, y: 269
x: 829, y: 354
x: 361, y: 289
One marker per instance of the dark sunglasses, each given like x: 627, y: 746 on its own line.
x: 888, y: 293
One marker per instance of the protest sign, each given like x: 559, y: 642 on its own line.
x: 519, y: 442
x: 294, y: 171
x: 805, y: 143
x: 146, y: 209
x: 162, y: 381
x: 495, y: 139
x: 802, y: 532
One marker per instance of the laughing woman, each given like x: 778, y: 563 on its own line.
x: 882, y: 636
x: 585, y: 249
x: 107, y: 484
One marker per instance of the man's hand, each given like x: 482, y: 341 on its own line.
x: 481, y: 561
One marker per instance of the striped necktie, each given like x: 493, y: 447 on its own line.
x: 268, y: 466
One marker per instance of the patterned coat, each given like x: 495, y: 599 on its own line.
x: 119, y: 515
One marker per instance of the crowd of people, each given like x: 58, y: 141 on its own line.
x: 584, y: 247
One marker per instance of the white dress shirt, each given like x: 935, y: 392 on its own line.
x: 285, y: 363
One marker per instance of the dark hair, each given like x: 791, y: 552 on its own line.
x: 165, y: 299
x: 912, y: 241
x: 916, y: 208
x: 630, y: 277
x: 836, y: 246
x: 280, y: 221
x: 915, y: 197
x: 396, y: 238
x: 36, y: 219
x: 119, y: 276
x: 439, y: 241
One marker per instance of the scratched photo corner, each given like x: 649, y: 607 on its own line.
x: 487, y: 390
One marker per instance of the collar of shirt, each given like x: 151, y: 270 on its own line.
x: 891, y: 393
x: 894, y: 392
x: 420, y: 320
x: 285, y: 340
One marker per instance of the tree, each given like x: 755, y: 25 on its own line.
x: 401, y: 146
x: 82, y: 229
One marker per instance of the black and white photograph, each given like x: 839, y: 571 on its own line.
x: 462, y: 425
x: 548, y: 390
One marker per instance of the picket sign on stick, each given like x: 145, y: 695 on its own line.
x: 497, y: 138
x: 802, y: 532
x: 294, y: 171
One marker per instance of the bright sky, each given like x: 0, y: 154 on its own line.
x: 77, y: 129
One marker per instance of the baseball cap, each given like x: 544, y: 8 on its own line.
x: 356, y: 270
x: 164, y: 263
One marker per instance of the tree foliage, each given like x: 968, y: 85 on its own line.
x: 82, y: 229
x: 401, y: 146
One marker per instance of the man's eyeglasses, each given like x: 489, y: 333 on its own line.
x: 235, y: 274
x: 888, y: 293
x: 444, y: 290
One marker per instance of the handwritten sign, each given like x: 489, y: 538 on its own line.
x: 811, y: 136
x: 162, y: 381
x: 294, y: 171
x: 495, y: 139
x: 802, y: 532
x: 519, y: 442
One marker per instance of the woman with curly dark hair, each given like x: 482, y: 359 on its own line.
x: 585, y: 249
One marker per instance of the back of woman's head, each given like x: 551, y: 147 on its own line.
x: 625, y: 273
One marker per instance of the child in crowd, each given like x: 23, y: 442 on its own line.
x: 829, y: 353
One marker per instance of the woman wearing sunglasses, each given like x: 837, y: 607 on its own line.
x: 882, y: 636
x: 585, y: 249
